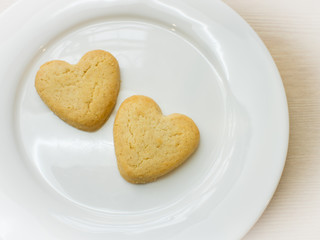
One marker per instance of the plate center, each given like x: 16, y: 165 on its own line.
x: 155, y: 61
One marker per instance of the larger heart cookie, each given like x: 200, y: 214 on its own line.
x: 148, y: 144
x: 84, y: 94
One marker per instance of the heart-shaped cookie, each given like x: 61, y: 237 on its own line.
x: 148, y: 144
x: 84, y: 94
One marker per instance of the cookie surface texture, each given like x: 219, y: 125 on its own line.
x: 84, y: 94
x: 148, y: 144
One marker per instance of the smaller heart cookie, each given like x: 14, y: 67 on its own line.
x: 84, y: 94
x: 148, y: 144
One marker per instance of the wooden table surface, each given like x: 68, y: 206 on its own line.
x: 291, y: 31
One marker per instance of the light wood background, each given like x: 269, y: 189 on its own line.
x: 291, y: 31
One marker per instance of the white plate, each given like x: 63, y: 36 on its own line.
x: 194, y: 57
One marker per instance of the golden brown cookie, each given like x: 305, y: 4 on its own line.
x: 84, y: 94
x: 148, y: 144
